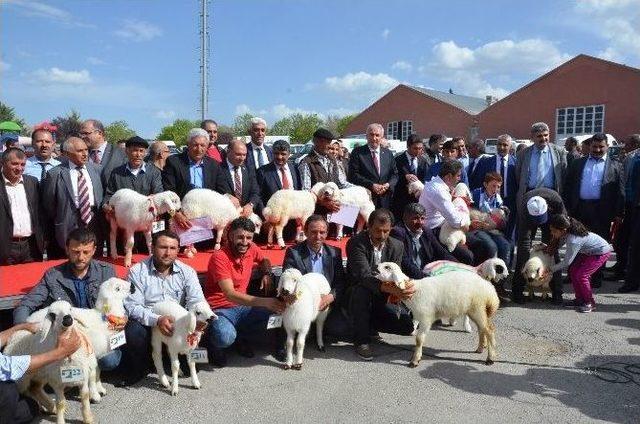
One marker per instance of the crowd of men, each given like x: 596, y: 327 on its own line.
x: 59, y: 206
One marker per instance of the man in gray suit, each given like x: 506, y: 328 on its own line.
x: 72, y: 193
x: 102, y: 154
x: 541, y: 165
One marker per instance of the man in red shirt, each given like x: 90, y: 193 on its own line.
x: 226, y: 291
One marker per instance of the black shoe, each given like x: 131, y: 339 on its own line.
x: 280, y: 354
x: 364, y: 352
x: 244, y: 349
x: 218, y: 358
x: 518, y: 298
x: 572, y: 304
x: 627, y: 288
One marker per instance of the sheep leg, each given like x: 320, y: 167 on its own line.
x: 61, y: 404
x: 85, y: 397
x: 101, y: 388
x: 113, y: 234
x: 279, y: 228
x: 481, y: 341
x: 289, y: 346
x: 339, y: 231
x: 531, y: 293
x: 128, y: 248
x: 219, y: 232
x: 322, y: 317
x: 420, y: 337
x: 300, y: 341
x: 175, y: 369
x: 195, y: 381
x: 156, y: 345
x: 300, y: 225
x: 36, y: 390
x: 467, y: 324
x: 93, y: 386
x: 491, y: 335
x: 149, y: 240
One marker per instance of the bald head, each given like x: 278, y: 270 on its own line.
x: 76, y: 150
x: 236, y: 152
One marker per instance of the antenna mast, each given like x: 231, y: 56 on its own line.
x: 204, y: 61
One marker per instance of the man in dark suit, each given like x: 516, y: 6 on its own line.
x: 373, y: 167
x: 279, y: 174
x: 367, y: 295
x: 101, y: 153
x: 433, y: 153
x: 258, y: 154
x: 450, y: 150
x: 193, y: 169
x: 420, y: 245
x: 21, y: 231
x: 241, y: 178
x: 314, y: 255
x: 412, y: 166
x: 594, y: 192
x: 72, y: 193
x: 571, y: 146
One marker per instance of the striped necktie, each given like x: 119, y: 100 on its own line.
x: 84, y: 207
x: 237, y: 183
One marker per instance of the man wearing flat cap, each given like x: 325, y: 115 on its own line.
x: 136, y: 175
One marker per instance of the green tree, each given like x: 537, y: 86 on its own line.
x: 8, y: 114
x: 178, y: 131
x: 342, y: 123
x: 67, y: 125
x: 118, y: 130
x: 297, y: 126
x: 241, y: 124
x: 283, y: 126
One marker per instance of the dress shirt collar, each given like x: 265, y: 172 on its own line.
x: 379, y: 249
x: 232, y: 167
x: 53, y: 161
x: 413, y: 234
x: 602, y: 159
x: 141, y: 169
x: 194, y: 163
x: 256, y: 147
x: 411, y: 158
x: 314, y: 254
x: 377, y: 150
x: 9, y: 183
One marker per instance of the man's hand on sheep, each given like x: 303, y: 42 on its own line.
x: 273, y: 304
x: 68, y: 342
x: 181, y: 220
x: 391, y: 288
x: 165, y: 324
x: 411, y: 178
x: 234, y: 200
x: 247, y: 210
x: 325, y: 301
x: 332, y: 205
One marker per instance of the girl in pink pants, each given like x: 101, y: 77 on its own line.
x: 586, y: 253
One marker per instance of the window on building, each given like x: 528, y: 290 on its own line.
x: 579, y: 120
x: 399, y: 130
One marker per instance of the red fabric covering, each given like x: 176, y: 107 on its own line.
x: 214, y: 153
x: 19, y: 279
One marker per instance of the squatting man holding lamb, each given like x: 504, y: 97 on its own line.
x: 226, y: 288
x: 77, y: 281
x: 14, y: 407
x: 158, y: 278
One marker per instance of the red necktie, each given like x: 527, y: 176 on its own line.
x: 285, y: 180
x: 83, y: 198
x: 237, y: 189
x: 374, y: 155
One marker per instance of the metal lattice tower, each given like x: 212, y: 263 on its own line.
x: 204, y: 59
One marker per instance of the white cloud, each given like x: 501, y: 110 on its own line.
x: 164, y: 114
x: 385, y: 33
x: 57, y: 76
x: 402, y: 65
x: 96, y: 61
x: 137, y: 30
x: 4, y: 66
x: 242, y: 109
x: 361, y: 85
x: 279, y: 111
x: 38, y: 9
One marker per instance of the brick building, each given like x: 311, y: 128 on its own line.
x: 582, y: 96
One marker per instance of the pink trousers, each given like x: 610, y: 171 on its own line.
x: 580, y: 272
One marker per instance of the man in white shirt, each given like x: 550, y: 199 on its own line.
x: 42, y: 159
x: 258, y: 154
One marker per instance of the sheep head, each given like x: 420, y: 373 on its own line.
x: 256, y: 221
x: 390, y: 272
x: 166, y: 202
x: 534, y: 272
x: 330, y: 191
x: 415, y: 188
x: 317, y: 187
x: 59, y: 317
x: 111, y: 298
x: 200, y: 316
x: 288, y: 289
x: 493, y: 270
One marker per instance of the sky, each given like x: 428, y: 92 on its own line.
x: 138, y: 60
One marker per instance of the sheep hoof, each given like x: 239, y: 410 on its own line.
x: 338, y: 238
x: 174, y: 392
x: 127, y: 264
x: 164, y: 381
x: 296, y: 367
x: 197, y: 386
x: 283, y: 247
x: 286, y: 367
x: 489, y: 362
x: 412, y: 364
x: 269, y: 246
x: 217, y: 246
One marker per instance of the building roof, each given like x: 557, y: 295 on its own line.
x: 471, y: 105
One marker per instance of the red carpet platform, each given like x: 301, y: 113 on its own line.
x: 17, y: 280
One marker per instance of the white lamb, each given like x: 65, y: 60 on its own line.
x: 356, y: 196
x: 289, y: 204
x: 450, y: 236
x: 99, y: 323
x: 415, y: 188
x: 447, y: 295
x: 134, y: 212
x: 537, y: 271
x: 302, y: 295
x: 188, y: 327
x: 57, y: 321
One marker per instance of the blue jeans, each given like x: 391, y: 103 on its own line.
x: 110, y: 361
x: 503, y: 245
x: 222, y: 332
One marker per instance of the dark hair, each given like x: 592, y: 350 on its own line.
x: 164, y: 233
x: 599, y: 137
x: 448, y: 145
x: 572, y: 141
x: 449, y: 167
x: 380, y: 216
x: 208, y: 121
x: 455, y: 139
x: 82, y: 236
x: 18, y: 152
x: 281, y: 146
x: 242, y: 223
x: 569, y: 224
x: 492, y: 176
x: 434, y: 138
x: 33, y: 134
x: 587, y: 142
x: 315, y: 218
x: 413, y: 139
x: 634, y: 139
x: 413, y: 209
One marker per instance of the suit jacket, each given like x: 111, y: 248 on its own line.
x: 432, y: 250
x: 112, y: 158
x: 430, y: 157
x: 250, y: 161
x: 269, y: 181
x: 177, y: 178
x: 401, y: 196
x: 299, y: 257
x: 57, y: 195
x: 57, y: 284
x: 611, y: 202
x: 362, y: 172
x: 523, y: 160
x: 250, y: 192
x: 434, y: 171
x: 6, y: 219
x: 488, y: 164
x: 360, y: 260
x: 145, y: 183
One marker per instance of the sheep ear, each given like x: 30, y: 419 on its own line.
x: 46, y: 326
x: 192, y: 322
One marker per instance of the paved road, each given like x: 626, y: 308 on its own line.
x: 541, y: 376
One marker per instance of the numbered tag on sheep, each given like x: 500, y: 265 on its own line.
x: 71, y: 374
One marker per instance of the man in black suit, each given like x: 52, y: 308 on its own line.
x: 433, y: 152
x: 373, y: 167
x: 594, y: 191
x: 571, y: 146
x: 421, y: 247
x: 314, y: 255
x: 412, y: 166
x: 367, y: 295
x: 21, y: 232
x: 101, y: 153
x: 258, y: 154
x: 241, y: 178
x: 193, y: 169
x: 279, y: 174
